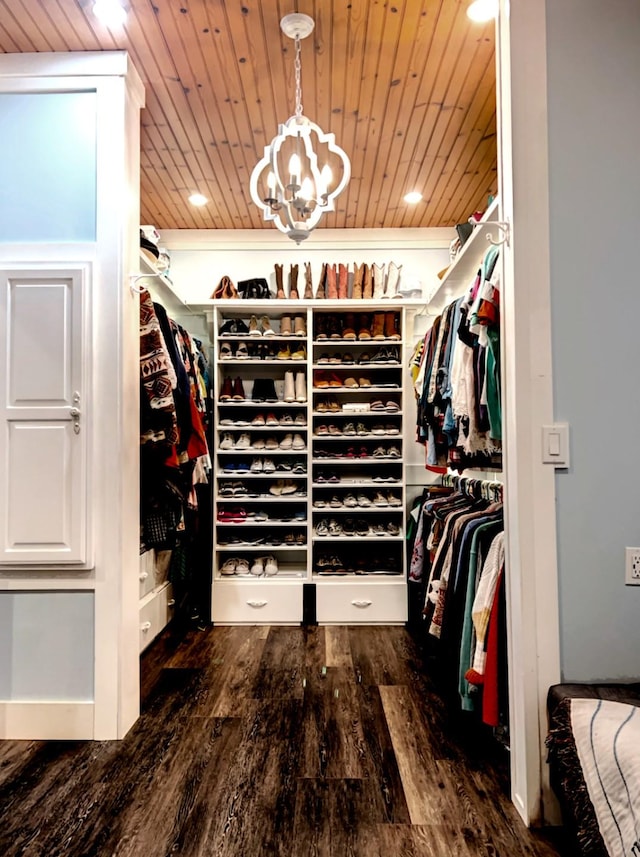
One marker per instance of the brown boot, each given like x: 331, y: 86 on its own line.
x: 392, y: 325
x: 343, y: 281
x: 332, y: 285
x: 367, y: 283
x: 377, y: 326
x: 349, y: 328
x: 364, y: 328
x: 322, y: 292
x: 308, y: 287
x: 358, y: 274
x: 293, y: 283
x: 280, y: 295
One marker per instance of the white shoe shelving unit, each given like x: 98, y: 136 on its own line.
x: 331, y: 512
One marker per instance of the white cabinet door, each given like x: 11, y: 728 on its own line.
x: 43, y: 458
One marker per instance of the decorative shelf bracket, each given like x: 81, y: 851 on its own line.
x: 133, y: 282
x: 503, y: 225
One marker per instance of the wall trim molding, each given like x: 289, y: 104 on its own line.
x: 46, y: 721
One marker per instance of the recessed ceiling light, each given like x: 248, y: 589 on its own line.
x: 412, y: 197
x: 482, y: 11
x: 110, y: 12
x: 198, y: 199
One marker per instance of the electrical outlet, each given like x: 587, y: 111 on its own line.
x: 632, y: 567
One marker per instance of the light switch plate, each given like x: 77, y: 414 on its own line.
x: 555, y: 444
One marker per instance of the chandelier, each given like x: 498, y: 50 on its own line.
x: 292, y: 184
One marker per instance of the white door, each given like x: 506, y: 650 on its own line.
x: 43, y: 459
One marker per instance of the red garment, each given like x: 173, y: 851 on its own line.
x: 491, y: 694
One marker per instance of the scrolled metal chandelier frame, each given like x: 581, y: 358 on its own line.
x: 296, y: 196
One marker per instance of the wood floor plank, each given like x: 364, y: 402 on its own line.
x: 281, y: 671
x: 333, y: 743
x: 338, y: 647
x: 427, y: 787
x: 239, y: 675
x: 374, y: 658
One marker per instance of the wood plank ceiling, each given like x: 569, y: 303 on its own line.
x: 407, y: 86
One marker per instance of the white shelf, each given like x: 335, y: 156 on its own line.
x: 162, y: 289
x: 466, y: 264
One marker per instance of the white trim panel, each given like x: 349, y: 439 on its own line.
x: 46, y: 721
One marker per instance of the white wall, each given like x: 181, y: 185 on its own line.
x: 594, y: 129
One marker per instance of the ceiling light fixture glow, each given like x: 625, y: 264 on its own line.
x: 482, y: 11
x: 412, y: 197
x: 198, y: 199
x: 288, y: 183
x: 110, y: 12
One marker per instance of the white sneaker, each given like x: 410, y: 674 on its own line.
x: 256, y: 466
x: 268, y: 466
x: 227, y: 441
x: 270, y: 566
x: 257, y: 567
x: 298, y: 442
x: 243, y: 442
x: 286, y: 442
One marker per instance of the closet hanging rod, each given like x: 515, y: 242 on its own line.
x: 503, y: 225
x: 488, y: 489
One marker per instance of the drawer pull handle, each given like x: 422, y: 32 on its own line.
x: 146, y: 626
x: 171, y: 602
x: 143, y: 575
x: 257, y: 604
x: 362, y: 604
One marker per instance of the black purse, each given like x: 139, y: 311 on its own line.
x: 256, y: 289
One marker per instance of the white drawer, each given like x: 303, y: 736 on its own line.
x: 364, y: 602
x: 156, y: 610
x: 256, y: 602
x: 147, y: 576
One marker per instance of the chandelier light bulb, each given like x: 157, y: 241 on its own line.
x: 294, y: 169
x: 271, y: 184
x: 306, y: 191
x: 110, y: 12
x: 327, y: 178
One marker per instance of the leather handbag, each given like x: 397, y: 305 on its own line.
x: 255, y: 289
x: 225, y: 289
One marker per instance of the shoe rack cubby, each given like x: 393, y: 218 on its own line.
x: 309, y: 462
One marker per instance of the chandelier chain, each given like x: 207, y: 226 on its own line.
x: 298, y: 70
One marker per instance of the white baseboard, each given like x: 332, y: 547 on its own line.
x: 46, y: 721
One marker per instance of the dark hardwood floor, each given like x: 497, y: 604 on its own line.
x: 299, y: 742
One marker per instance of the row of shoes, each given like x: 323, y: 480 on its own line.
x: 248, y: 351
x: 283, y: 514
x: 360, y: 500
x: 362, y: 452
x: 260, y: 420
x: 331, y: 405
x: 355, y: 527
x: 330, y: 379
x: 355, y: 429
x: 259, y: 566
x: 290, y: 325
x: 287, y: 466
x: 264, y: 389
x: 331, y: 477
x: 333, y: 564
x: 246, y: 441
x: 337, y: 283
x: 282, y: 487
x: 272, y: 541
x: 362, y: 326
x: 381, y: 356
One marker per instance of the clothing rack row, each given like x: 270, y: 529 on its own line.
x: 481, y: 489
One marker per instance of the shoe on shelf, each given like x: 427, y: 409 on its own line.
x: 299, y: 467
x: 254, y: 330
x: 270, y: 566
x: 284, y: 466
x: 271, y: 420
x: 378, y: 428
x: 284, y: 352
x: 364, y: 382
x: 393, y: 529
x: 393, y: 499
x: 394, y: 452
x: 377, y: 326
x: 256, y: 466
x: 379, y: 452
x: 286, y: 442
x: 229, y: 567
x: 362, y: 430
x: 324, y: 358
x: 286, y: 420
x: 349, y: 527
x: 257, y: 568
x: 226, y: 393
x: 298, y: 442
x: 289, y: 387
x: 335, y: 528
x: 242, y: 566
x: 265, y: 325
x: 271, y: 443
x: 364, y: 327
x: 289, y: 487
x: 238, y: 390
x: 227, y: 441
x: 300, y: 419
x: 379, y: 499
x: 363, y: 500
x: 242, y: 352
x: 322, y: 528
x: 349, y: 326
x: 258, y: 420
x: 349, y: 429
x: 243, y: 442
x: 226, y: 352
x: 257, y: 443
x: 362, y: 527
x: 285, y: 325
x: 299, y: 326
x: 335, y: 502
x: 350, y: 501
x: 268, y: 465
x: 300, y: 387
x: 347, y: 359
x: 391, y: 325
x: 390, y: 428
x: 300, y: 353
x: 378, y: 530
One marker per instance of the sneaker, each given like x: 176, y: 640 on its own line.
x: 378, y: 428
x: 321, y: 528
x: 299, y: 467
x: 258, y: 420
x: 394, y: 452
x: 257, y: 567
x: 270, y: 566
x: 227, y: 441
x: 349, y: 429
x: 284, y: 352
x: 256, y: 466
x: 393, y: 499
x: 286, y: 420
x: 362, y: 527
x: 392, y: 529
x: 363, y: 500
x: 298, y: 442
x: 350, y: 501
x: 229, y: 567
x: 257, y: 443
x: 271, y: 443
x: 243, y: 442
x: 271, y: 420
x: 242, y: 352
x: 378, y: 530
x: 268, y: 466
x: 349, y: 527
x: 391, y: 429
x: 300, y: 420
x: 335, y: 502
x: 286, y: 442
x: 284, y: 467
x: 379, y: 499
x: 361, y: 429
x: 335, y: 529
x: 226, y: 352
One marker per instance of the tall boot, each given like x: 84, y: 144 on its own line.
x: 392, y: 325
x: 393, y: 280
x: 322, y: 292
x: 308, y: 286
x: 280, y: 295
x: 377, y: 326
x: 332, y: 285
x: 289, y: 387
x: 301, y: 387
x: 358, y: 275
x: 349, y: 327
x: 293, y: 283
x: 343, y: 281
x: 378, y: 282
x: 367, y: 283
